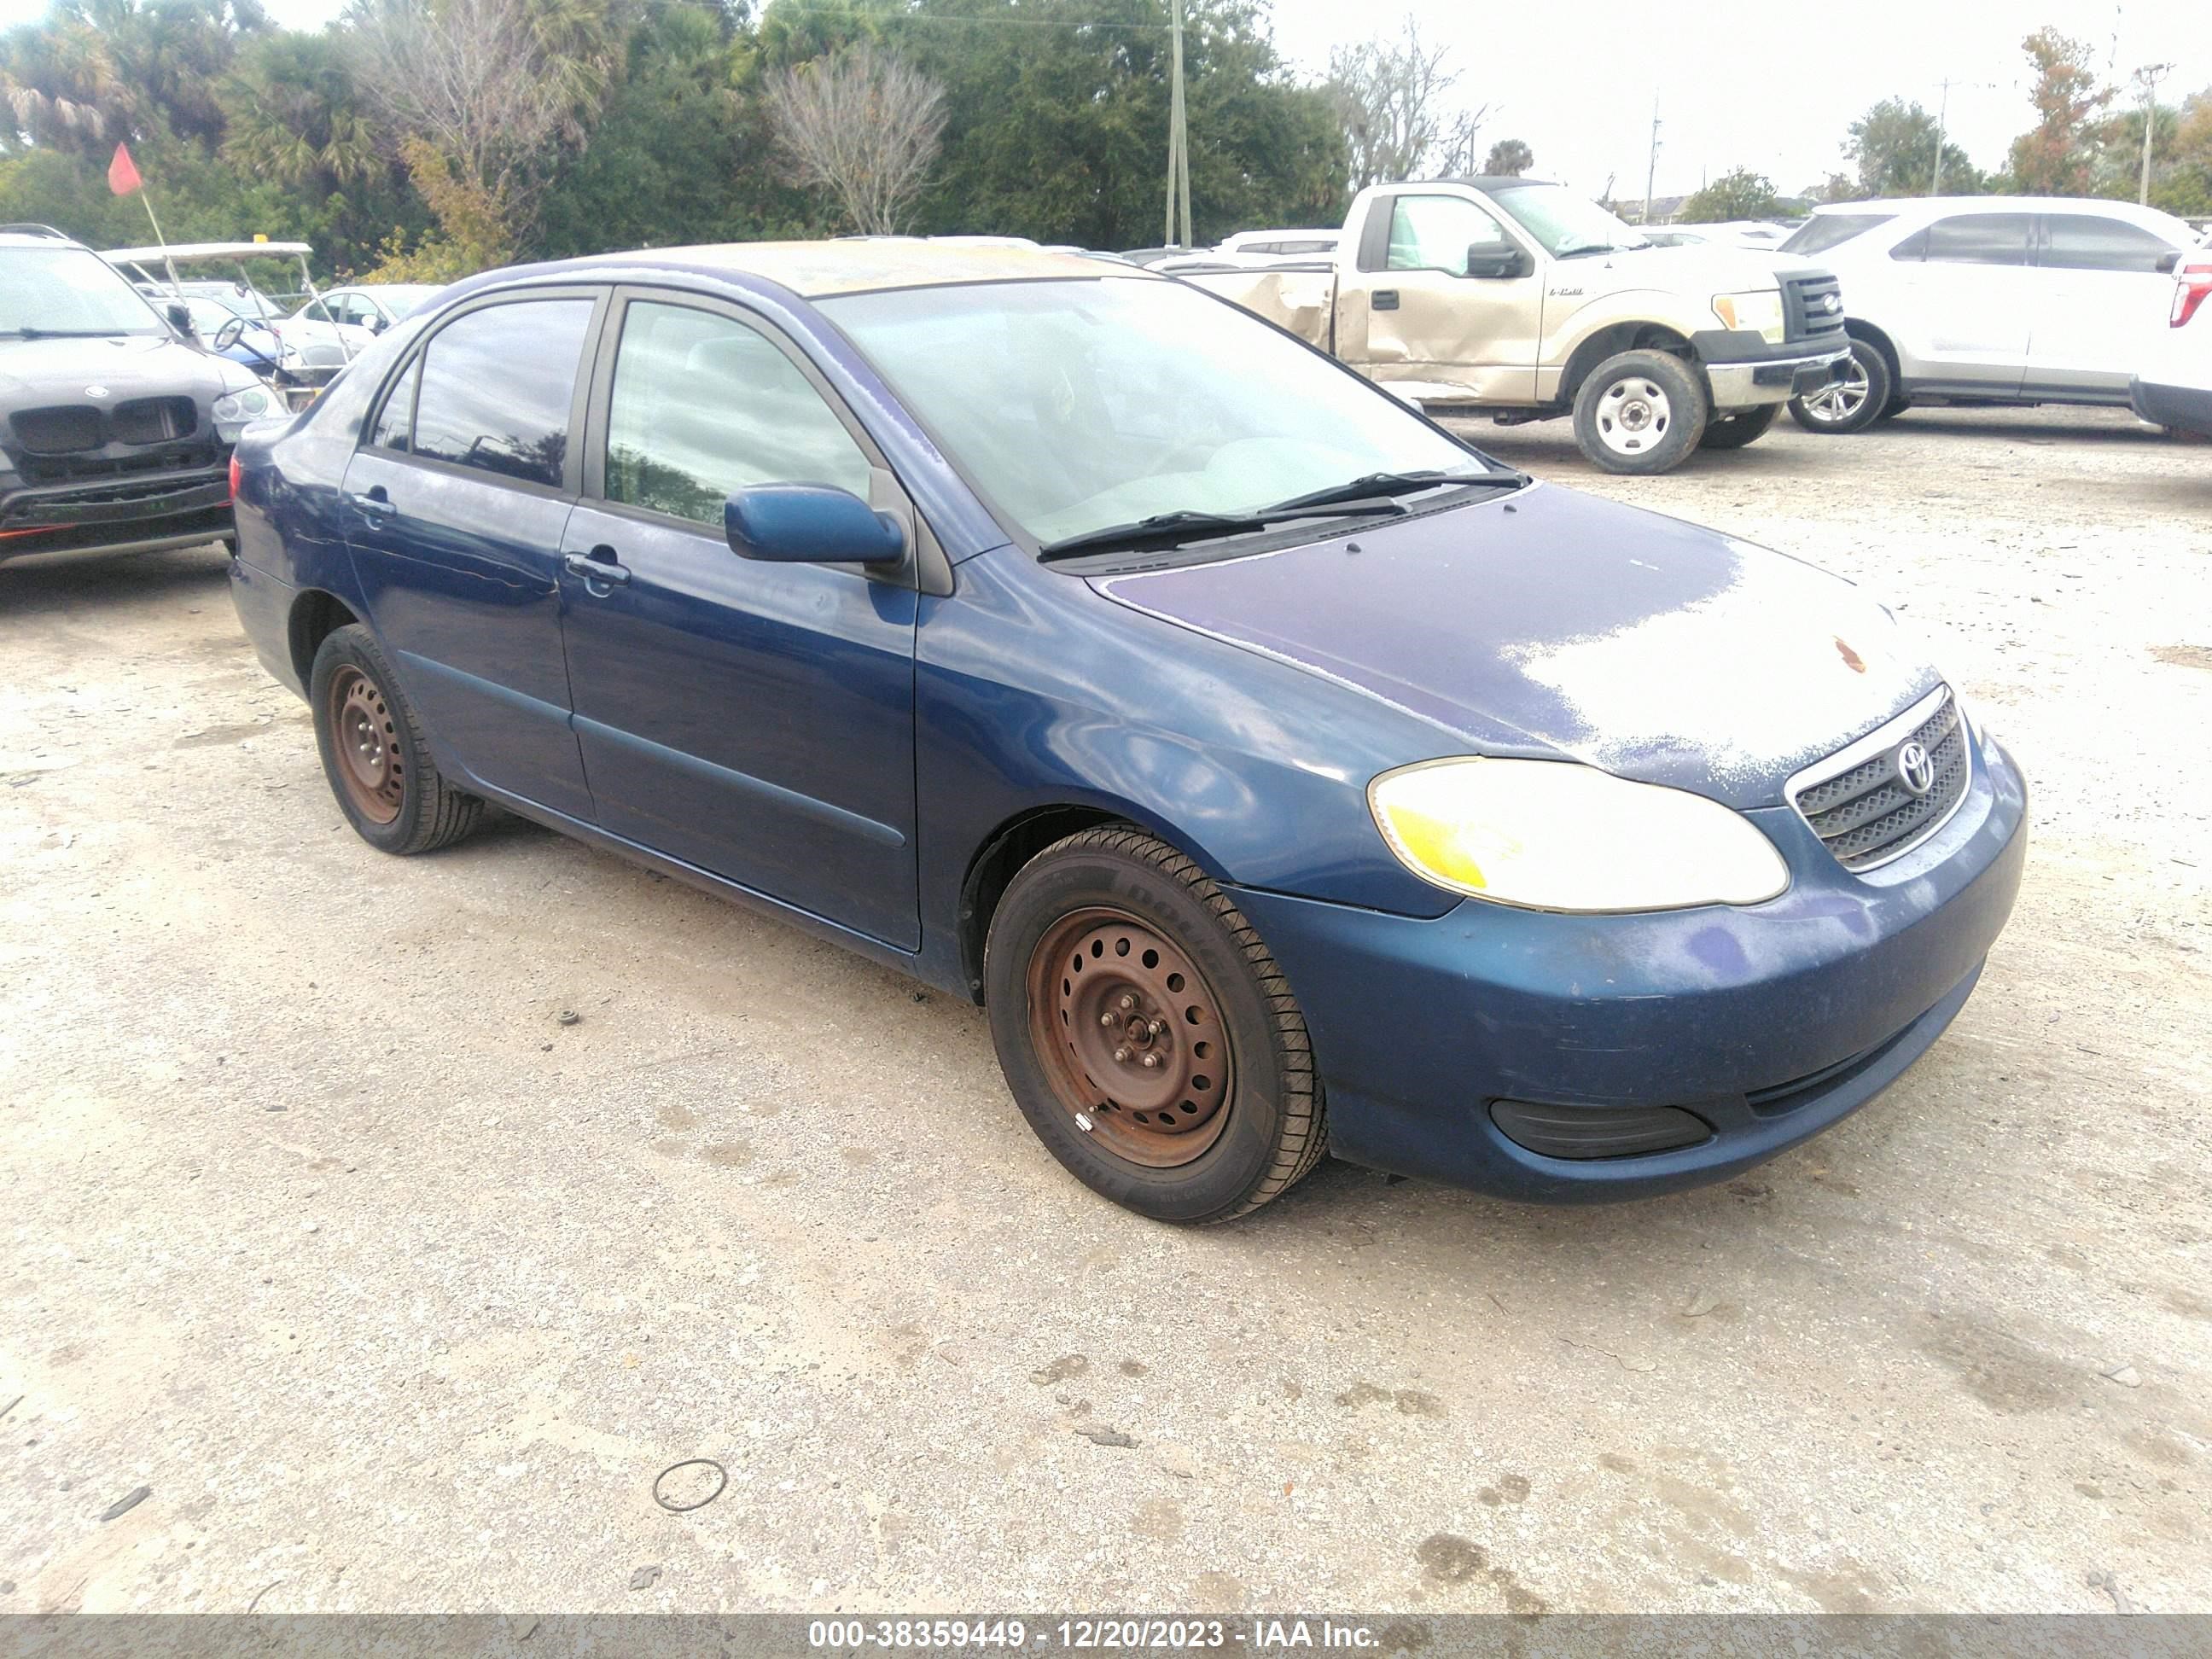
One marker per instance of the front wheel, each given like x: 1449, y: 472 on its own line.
x: 1853, y: 401
x: 1641, y: 412
x: 1735, y: 431
x: 1147, y: 1035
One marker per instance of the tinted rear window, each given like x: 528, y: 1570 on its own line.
x: 1825, y: 230
x: 496, y: 388
x: 2089, y: 242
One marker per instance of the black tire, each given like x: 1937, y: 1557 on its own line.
x: 1898, y: 404
x: 1854, y: 403
x: 1733, y: 431
x: 1640, y: 413
x: 352, y: 685
x: 1270, y: 1134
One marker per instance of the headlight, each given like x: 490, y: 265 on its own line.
x: 1559, y: 836
x: 234, y: 408
x: 1760, y: 312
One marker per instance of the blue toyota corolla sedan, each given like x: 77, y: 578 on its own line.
x: 1283, y: 775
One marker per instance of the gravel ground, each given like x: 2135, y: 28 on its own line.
x: 396, y: 1289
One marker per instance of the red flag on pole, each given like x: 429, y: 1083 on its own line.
x: 122, y: 174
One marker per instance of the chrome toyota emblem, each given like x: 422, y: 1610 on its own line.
x: 1916, y: 768
x: 95, y: 392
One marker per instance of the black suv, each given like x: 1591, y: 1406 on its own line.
x: 115, y: 428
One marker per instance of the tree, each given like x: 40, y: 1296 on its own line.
x: 1739, y: 193
x: 1509, y: 158
x: 1894, y: 147
x: 1395, y: 100
x: 482, y: 96
x: 864, y: 124
x: 2058, y: 155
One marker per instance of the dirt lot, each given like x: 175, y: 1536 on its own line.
x: 398, y: 1291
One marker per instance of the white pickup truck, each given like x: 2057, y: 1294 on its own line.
x: 1519, y: 300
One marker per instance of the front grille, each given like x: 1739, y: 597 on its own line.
x: 1813, y: 308
x: 59, y: 430
x: 1859, y: 803
x: 152, y: 421
x: 67, y: 469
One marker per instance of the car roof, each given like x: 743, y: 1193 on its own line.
x: 813, y: 270
x: 1932, y: 206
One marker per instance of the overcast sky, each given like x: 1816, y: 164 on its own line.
x: 1770, y: 86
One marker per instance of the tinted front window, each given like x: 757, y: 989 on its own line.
x: 2087, y: 241
x: 1825, y: 230
x: 1433, y: 232
x: 702, y: 405
x: 496, y: 386
x: 1971, y: 238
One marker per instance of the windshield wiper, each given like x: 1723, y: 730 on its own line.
x: 1172, y: 527
x: 1387, y: 484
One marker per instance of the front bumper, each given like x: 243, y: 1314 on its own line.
x: 1766, y: 1023
x: 133, y: 512
x: 2184, y: 408
x: 1744, y: 371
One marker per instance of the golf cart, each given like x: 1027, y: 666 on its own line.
x: 251, y: 333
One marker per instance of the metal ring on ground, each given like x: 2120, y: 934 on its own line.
x: 721, y: 1483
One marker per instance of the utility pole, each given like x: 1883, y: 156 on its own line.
x: 1943, y: 121
x: 1651, y: 173
x: 1178, y: 144
x: 2147, y: 77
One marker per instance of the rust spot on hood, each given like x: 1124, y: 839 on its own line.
x: 1857, y: 663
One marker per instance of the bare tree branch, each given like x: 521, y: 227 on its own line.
x: 864, y: 124
x: 1394, y: 98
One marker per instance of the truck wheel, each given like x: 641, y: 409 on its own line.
x: 1643, y: 411
x: 1852, y: 403
x: 373, y: 753
x: 1147, y: 1033
x: 1745, y: 427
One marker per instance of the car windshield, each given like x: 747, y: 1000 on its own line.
x: 69, y: 290
x: 1825, y: 230
x: 1566, y: 223
x: 400, y: 299
x: 1078, y: 406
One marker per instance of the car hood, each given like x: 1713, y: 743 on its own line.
x: 1551, y: 621
x: 36, y: 373
x: 1696, y: 269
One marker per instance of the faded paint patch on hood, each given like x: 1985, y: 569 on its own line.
x: 1653, y: 648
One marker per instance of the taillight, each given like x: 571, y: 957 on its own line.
x: 2190, y: 289
x: 233, y: 477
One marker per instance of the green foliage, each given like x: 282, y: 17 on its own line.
x: 1739, y: 193
x: 2058, y: 155
x: 1509, y: 158
x: 1894, y: 147
x: 1057, y: 130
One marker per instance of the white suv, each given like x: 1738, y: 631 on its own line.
x: 2174, y: 389
x: 1990, y: 300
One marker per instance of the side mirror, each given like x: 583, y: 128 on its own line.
x: 1495, y: 260
x: 2169, y: 262
x: 809, y: 524
x: 181, y: 318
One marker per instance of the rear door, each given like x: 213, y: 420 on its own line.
x: 1414, y: 313
x: 2102, y: 308
x: 455, y: 508
x: 1965, y: 297
x: 754, y: 719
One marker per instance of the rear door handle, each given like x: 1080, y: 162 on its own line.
x: 372, y: 506
x: 1386, y: 299
x: 598, y: 568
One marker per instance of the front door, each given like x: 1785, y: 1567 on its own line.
x: 454, y: 512
x: 2101, y: 312
x: 753, y: 720
x: 1427, y: 321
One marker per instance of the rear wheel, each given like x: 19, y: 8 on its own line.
x: 373, y: 753
x: 1853, y: 401
x: 1733, y: 431
x: 1147, y: 1035
x: 1640, y: 412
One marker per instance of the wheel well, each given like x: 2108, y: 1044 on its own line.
x: 1880, y: 342
x: 1013, y: 844
x: 315, y: 616
x: 1610, y: 342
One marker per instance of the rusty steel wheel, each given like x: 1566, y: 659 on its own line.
x: 365, y: 737
x: 1131, y: 1036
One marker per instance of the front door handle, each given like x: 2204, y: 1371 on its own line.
x: 1385, y: 299
x: 598, y: 568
